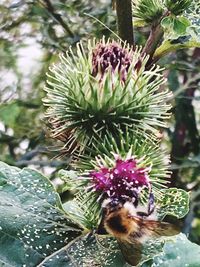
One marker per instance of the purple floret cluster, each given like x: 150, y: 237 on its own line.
x: 124, y: 181
x: 111, y: 54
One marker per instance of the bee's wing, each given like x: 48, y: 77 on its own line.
x: 147, y: 228
x: 156, y: 228
x: 131, y: 251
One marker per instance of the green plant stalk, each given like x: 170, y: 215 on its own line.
x: 124, y: 20
x: 153, y: 41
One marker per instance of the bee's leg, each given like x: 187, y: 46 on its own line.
x: 101, y: 229
x: 151, y: 205
x: 142, y: 214
x: 150, y: 208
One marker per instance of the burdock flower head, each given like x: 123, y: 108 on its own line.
x: 124, y: 181
x: 103, y: 89
x: 111, y: 55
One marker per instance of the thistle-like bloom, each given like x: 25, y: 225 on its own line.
x: 124, y: 181
x: 179, y: 6
x: 112, y: 55
x: 104, y: 89
x: 150, y: 11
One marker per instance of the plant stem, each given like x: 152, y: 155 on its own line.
x: 124, y: 20
x: 154, y: 39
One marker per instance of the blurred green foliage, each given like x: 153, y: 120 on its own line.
x: 32, y: 34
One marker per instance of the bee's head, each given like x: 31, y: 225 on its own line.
x: 112, y: 204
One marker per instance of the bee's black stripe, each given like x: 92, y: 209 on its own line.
x: 115, y: 223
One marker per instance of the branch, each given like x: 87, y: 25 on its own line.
x: 154, y: 38
x: 40, y: 163
x: 124, y: 20
x: 192, y: 83
x: 13, y: 24
x: 31, y: 154
x: 58, y: 17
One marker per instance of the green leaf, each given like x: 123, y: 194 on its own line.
x: 180, y: 253
x: 100, y: 251
x: 180, y: 32
x: 184, y: 21
x: 180, y: 26
x: 70, y: 180
x: 35, y: 231
x: 33, y: 224
x: 96, y: 251
x: 170, y: 46
x: 9, y: 113
x: 193, y: 15
x: 85, y: 209
x: 167, y: 22
x: 173, y: 202
x: 176, y: 252
x: 88, y: 251
x: 151, y: 248
x: 175, y: 27
x: 92, y: 250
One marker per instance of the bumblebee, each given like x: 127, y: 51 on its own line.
x: 132, y: 227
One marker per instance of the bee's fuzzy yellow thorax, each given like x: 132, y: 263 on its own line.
x: 120, y: 223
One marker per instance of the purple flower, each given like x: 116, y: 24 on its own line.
x: 111, y: 55
x: 124, y: 181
